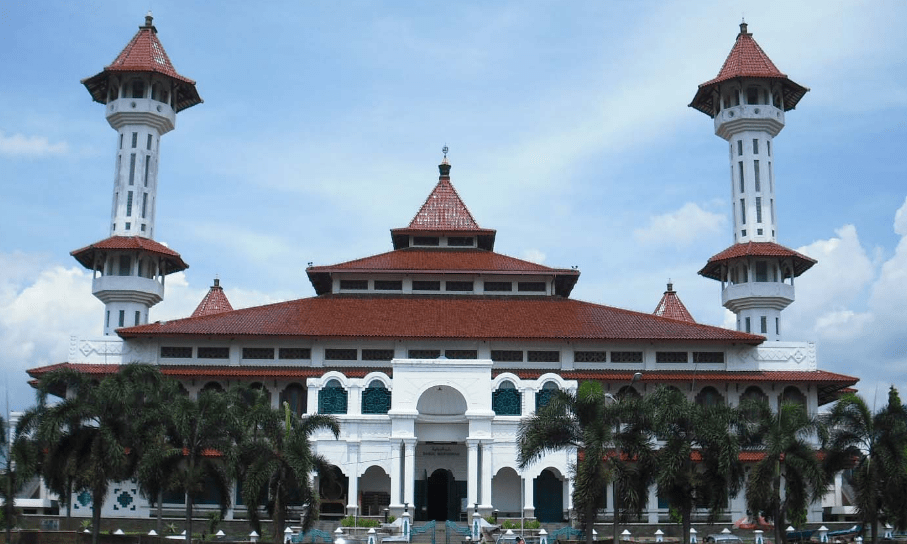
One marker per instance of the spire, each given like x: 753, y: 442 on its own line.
x: 215, y: 302
x: 444, y: 167
x: 671, y: 307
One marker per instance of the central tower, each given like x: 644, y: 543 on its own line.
x: 747, y: 101
x: 142, y: 93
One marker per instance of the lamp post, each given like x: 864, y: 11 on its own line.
x: 616, y: 534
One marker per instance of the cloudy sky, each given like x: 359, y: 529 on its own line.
x: 569, y: 133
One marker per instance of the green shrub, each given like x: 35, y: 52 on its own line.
x: 533, y: 524
x: 351, y: 521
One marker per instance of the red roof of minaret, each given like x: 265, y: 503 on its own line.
x: 672, y: 308
x: 800, y: 263
x: 214, y: 302
x: 444, y: 212
x: 747, y: 59
x: 144, y: 53
x: 86, y: 255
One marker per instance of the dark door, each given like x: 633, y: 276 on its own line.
x: 440, y: 488
x: 549, y: 497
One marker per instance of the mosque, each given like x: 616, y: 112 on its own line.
x: 431, y: 351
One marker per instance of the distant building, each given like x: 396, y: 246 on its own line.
x: 431, y: 353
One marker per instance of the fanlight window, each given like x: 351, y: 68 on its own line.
x: 376, y: 399
x: 709, y: 396
x: 295, y: 397
x: 332, y: 398
x: 506, y: 401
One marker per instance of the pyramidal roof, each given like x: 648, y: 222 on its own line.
x: 748, y: 60
x: 671, y: 307
x: 444, y: 212
x: 215, y: 302
x: 144, y: 53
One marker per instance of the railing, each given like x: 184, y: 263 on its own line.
x: 450, y: 526
x: 313, y: 536
x: 428, y: 527
x: 569, y: 533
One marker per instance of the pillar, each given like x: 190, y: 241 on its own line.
x: 409, y: 471
x: 485, y: 499
x: 528, y: 497
x: 396, y: 475
x: 472, y: 460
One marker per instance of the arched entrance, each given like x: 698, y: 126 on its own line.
x: 441, y: 496
x: 549, y: 497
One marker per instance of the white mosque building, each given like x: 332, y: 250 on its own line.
x: 431, y: 351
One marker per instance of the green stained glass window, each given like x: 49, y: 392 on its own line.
x: 506, y: 401
x: 543, y: 397
x: 376, y: 399
x: 332, y: 398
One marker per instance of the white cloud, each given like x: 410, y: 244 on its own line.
x: 900, y: 220
x: 534, y: 256
x: 681, y: 227
x: 18, y: 145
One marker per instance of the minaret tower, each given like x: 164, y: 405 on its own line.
x: 142, y: 93
x: 748, y: 101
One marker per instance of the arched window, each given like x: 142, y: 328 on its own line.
x: 376, y: 399
x: 258, y: 386
x: 793, y: 394
x: 628, y: 391
x: 506, y: 401
x: 332, y: 398
x: 295, y: 396
x: 543, y: 397
x: 709, y: 396
x: 749, y: 397
x: 213, y: 386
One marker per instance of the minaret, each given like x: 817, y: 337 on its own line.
x: 142, y: 93
x: 748, y: 100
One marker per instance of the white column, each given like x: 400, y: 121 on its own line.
x: 396, y: 473
x: 352, y: 496
x: 472, y: 471
x: 409, y: 471
x: 653, y: 504
x: 528, y: 497
x: 485, y: 499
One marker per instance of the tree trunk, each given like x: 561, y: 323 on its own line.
x: 160, y: 513
x: 686, y: 523
x: 278, y: 519
x: 589, y: 522
x: 188, y: 518
x: 68, y: 498
x: 97, y: 502
x: 874, y: 527
x: 616, y: 528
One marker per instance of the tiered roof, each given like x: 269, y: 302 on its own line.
x: 712, y: 269
x: 671, y: 307
x: 144, y: 53
x: 442, y: 261
x: 747, y: 60
x: 172, y: 259
x: 468, y: 317
x: 215, y: 302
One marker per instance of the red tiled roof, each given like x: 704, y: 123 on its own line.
x: 442, y: 261
x: 747, y: 59
x: 671, y: 307
x: 85, y: 256
x: 442, y: 316
x: 712, y: 269
x: 214, y: 302
x: 443, y: 210
x: 144, y: 53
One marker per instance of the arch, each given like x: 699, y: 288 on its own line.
x: 753, y: 393
x: 544, y: 394
x: 296, y: 396
x: 441, y: 496
x: 628, y: 391
x: 441, y: 400
x: 332, y: 489
x: 213, y: 386
x: 506, y: 399
x: 376, y: 399
x: 371, y: 377
x: 375, y: 486
x: 258, y: 386
x: 792, y: 394
x: 332, y: 398
x: 709, y: 396
x: 506, y: 492
x: 548, y: 493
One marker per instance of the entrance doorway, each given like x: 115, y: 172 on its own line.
x: 438, y: 496
x: 549, y: 497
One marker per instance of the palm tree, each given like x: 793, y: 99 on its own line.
x: 85, y: 435
x: 277, y: 459
x: 787, y: 438
x: 201, y: 448
x: 20, y: 454
x: 698, y: 463
x: 875, y: 447
x: 585, y: 422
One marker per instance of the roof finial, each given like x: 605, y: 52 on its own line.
x: 670, y: 286
x: 444, y: 167
x: 148, y: 22
x: 743, y: 25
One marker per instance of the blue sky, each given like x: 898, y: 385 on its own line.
x: 569, y: 133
